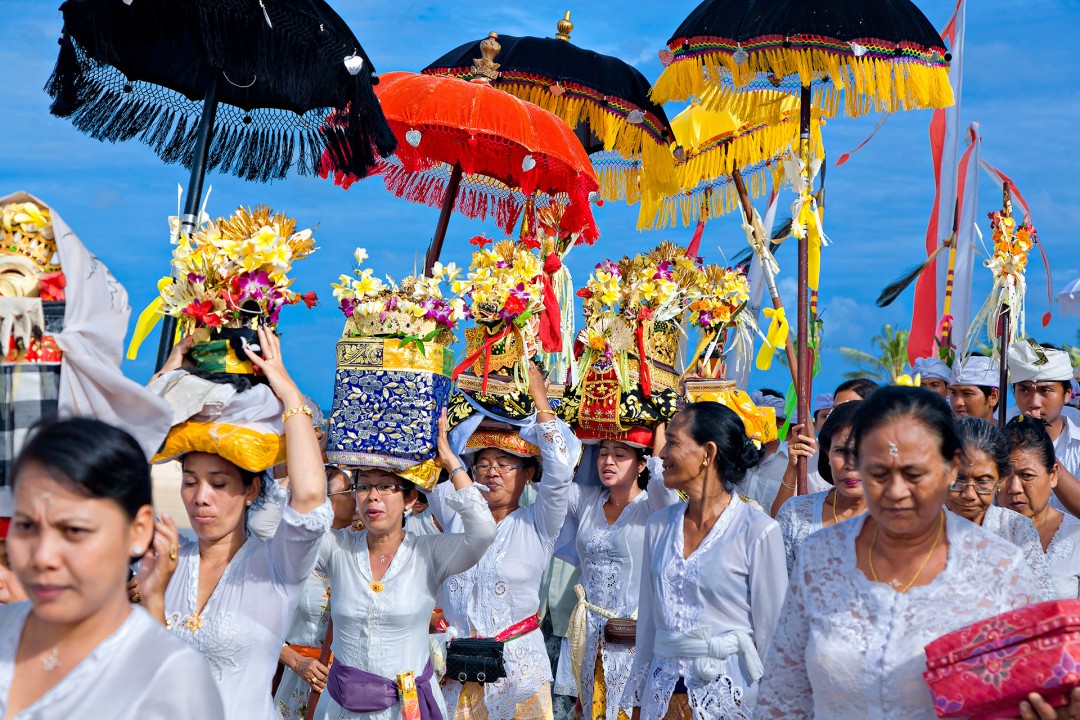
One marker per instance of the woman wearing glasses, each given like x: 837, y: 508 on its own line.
x: 300, y: 669
x: 1027, y: 491
x: 384, y: 582
x: 804, y: 515
x: 984, y: 464
x: 500, y: 597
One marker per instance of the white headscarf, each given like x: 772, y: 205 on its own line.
x: 1030, y: 362
x: 930, y: 367
x: 976, y: 370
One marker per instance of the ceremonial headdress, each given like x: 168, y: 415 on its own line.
x: 931, y: 367
x: 976, y: 370
x: 1030, y: 362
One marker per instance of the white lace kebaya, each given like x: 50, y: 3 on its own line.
x: 799, y: 518
x: 1021, y: 532
x: 242, y: 626
x: 1063, y: 557
x: 504, y: 587
x: 385, y: 631
x: 847, y: 647
x: 610, y: 558
x: 707, y: 618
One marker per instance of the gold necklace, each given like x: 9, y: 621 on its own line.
x: 835, y: 497
x: 894, y: 582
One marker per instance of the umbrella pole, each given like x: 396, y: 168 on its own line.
x: 444, y: 219
x: 770, y: 279
x: 189, y: 220
x: 803, y: 347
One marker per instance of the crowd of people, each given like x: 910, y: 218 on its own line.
x: 709, y: 588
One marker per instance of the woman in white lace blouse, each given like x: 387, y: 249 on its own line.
x: 78, y: 648
x: 230, y: 596
x: 1027, y: 491
x: 803, y: 515
x: 605, y: 537
x: 500, y: 596
x: 971, y: 496
x: 712, y: 579
x: 385, y: 582
x: 866, y: 596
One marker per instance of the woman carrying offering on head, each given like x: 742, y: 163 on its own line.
x: 712, y: 578
x: 385, y: 582
x: 228, y: 595
x: 499, y: 598
x: 78, y: 648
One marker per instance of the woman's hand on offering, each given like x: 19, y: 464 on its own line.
x: 270, y: 364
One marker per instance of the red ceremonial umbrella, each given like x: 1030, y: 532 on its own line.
x: 466, y: 146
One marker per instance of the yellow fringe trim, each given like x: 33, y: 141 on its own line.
x: 614, y: 131
x: 870, y: 83
x: 658, y: 212
x: 246, y: 448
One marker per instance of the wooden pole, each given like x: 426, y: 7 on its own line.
x: 444, y: 219
x: 1004, y: 323
x: 770, y: 280
x: 324, y: 658
x: 803, y: 345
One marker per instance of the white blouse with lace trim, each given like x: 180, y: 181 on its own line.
x: 847, y: 647
x: 1063, y: 557
x: 1021, y: 532
x: 242, y: 626
x: 734, y: 581
x: 610, y: 558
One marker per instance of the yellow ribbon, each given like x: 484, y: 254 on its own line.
x: 148, y: 318
x: 809, y: 219
x: 774, y: 338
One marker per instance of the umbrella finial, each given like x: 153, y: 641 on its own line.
x: 486, y: 69
x: 565, y: 27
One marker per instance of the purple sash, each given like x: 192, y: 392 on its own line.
x: 363, y: 692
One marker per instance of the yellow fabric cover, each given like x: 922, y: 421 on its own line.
x: 760, y: 422
x: 246, y: 448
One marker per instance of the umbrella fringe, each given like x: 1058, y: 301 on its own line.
x: 882, y: 80
x: 718, y: 198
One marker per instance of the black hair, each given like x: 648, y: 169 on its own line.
x: 860, y: 386
x: 769, y: 392
x: 897, y: 401
x: 1028, y: 433
x: 840, y: 419
x: 92, y: 458
x: 980, y: 435
x: 716, y: 423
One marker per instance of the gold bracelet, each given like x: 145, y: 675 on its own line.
x: 789, y: 487
x: 296, y: 411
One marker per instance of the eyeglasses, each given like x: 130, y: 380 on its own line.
x: 347, y: 491
x: 500, y: 468
x: 383, y: 488
x: 982, y: 487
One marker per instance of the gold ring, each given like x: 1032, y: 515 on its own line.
x: 172, y: 552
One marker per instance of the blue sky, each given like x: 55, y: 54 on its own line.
x: 1020, y: 73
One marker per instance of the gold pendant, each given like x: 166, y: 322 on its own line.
x: 377, y: 586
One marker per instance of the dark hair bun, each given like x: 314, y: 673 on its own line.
x: 716, y: 423
x: 750, y: 455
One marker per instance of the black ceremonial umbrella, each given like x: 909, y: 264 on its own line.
x: 604, y: 99
x: 240, y: 86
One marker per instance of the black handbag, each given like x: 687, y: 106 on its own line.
x: 478, y: 660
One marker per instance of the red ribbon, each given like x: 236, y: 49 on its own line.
x: 484, y: 349
x: 695, y: 241
x: 550, y: 318
x: 643, y: 362
x: 520, y: 629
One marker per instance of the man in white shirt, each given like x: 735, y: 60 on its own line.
x: 975, y: 391
x: 934, y: 375
x: 1041, y: 378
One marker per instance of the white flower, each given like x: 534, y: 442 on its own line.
x: 360, y: 255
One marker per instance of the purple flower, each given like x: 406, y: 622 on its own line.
x: 663, y: 271
x: 705, y: 318
x: 252, y: 286
x: 195, y: 278
x: 610, y: 267
x: 347, y: 307
x: 437, y: 310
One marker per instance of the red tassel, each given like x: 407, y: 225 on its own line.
x: 695, y: 241
x: 643, y: 363
x: 550, y: 318
x: 484, y: 349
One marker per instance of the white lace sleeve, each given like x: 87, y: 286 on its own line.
x: 559, y: 450
x: 455, y: 553
x: 785, y: 691
x: 788, y: 520
x: 660, y: 495
x: 768, y: 585
x: 294, y: 549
